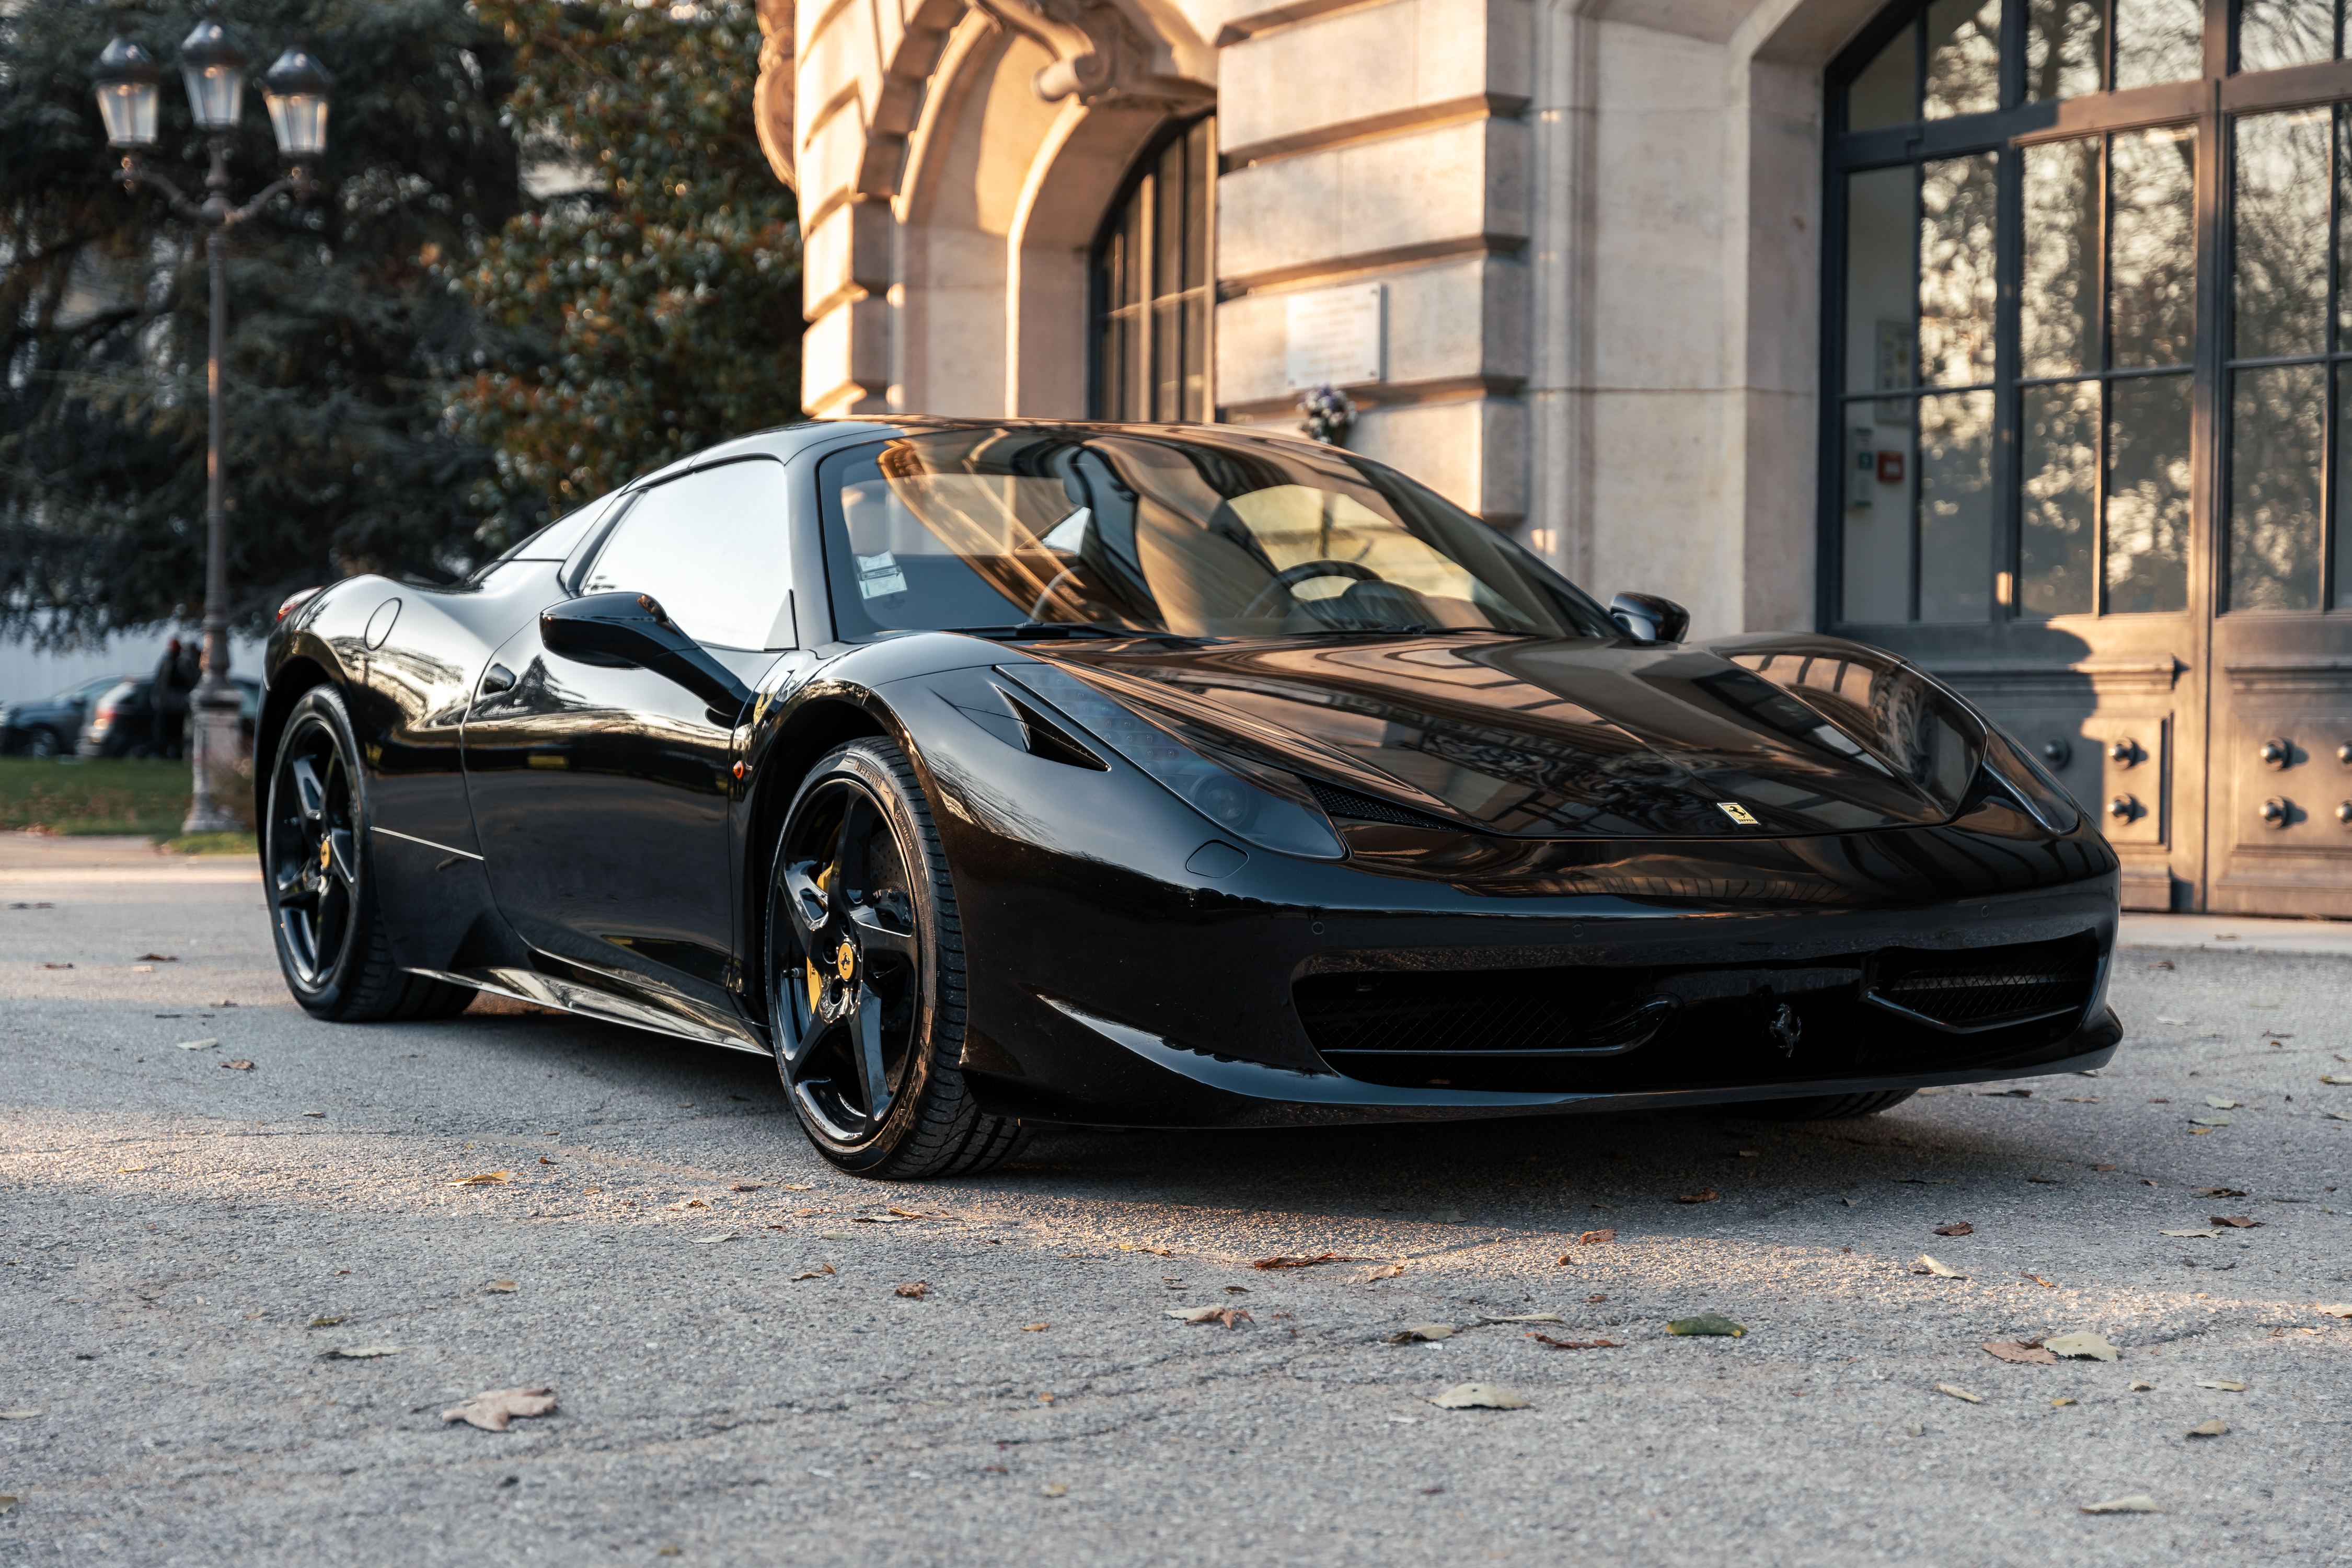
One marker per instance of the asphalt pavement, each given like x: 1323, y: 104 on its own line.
x: 754, y: 1360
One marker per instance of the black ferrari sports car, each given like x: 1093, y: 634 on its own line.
x: 989, y: 773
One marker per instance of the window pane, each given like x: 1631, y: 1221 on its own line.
x: 1198, y: 193
x: 1887, y: 93
x: 1167, y: 359
x: 2277, y: 416
x: 1881, y: 284
x: 2060, y: 510
x: 2063, y: 41
x: 1877, y: 553
x: 2159, y: 40
x: 2058, y: 307
x: 2281, y: 233
x: 2148, y: 494
x: 1956, y: 507
x: 2152, y: 257
x: 1167, y: 223
x: 1963, y: 58
x: 2274, y: 33
x: 2343, y: 574
x: 1958, y: 278
x: 711, y: 548
x: 1196, y: 363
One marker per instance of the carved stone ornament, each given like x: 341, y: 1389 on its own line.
x: 1100, y: 55
x: 772, y: 95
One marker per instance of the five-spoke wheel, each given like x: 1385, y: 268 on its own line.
x: 313, y: 850
x: 865, y: 999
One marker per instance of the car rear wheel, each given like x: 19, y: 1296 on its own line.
x: 42, y: 743
x: 1826, y: 1107
x: 330, y: 940
x: 865, y: 976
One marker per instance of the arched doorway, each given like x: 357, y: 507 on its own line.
x: 1151, y: 283
x: 2089, y: 353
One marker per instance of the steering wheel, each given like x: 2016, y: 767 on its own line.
x: 1290, y: 577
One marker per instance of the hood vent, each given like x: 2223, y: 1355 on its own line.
x: 1337, y: 802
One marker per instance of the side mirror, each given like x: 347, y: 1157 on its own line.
x: 1649, y: 617
x: 632, y: 631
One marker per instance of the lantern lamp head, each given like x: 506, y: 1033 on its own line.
x: 125, y: 79
x: 296, y: 90
x: 212, y: 63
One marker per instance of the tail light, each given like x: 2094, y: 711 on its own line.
x: 295, y: 601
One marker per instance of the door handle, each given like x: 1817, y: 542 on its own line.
x: 497, y: 678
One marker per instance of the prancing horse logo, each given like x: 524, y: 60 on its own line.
x: 1785, y: 1029
x: 1737, y: 813
x: 846, y: 960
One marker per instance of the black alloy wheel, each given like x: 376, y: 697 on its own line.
x: 865, y: 968
x: 332, y: 946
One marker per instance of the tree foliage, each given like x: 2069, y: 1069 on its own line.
x: 340, y: 455
x: 658, y: 310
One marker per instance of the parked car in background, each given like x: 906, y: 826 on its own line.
x: 48, y: 726
x: 123, y: 721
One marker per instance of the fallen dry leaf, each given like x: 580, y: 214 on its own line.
x: 1230, y: 1290
x: 2045, y: 1284
x: 1958, y: 1228
x: 57, y: 966
x: 326, y: 1322
x: 2221, y: 1192
x: 2141, y: 1388
x: 1053, y: 1489
x: 1706, y: 1323
x: 914, y: 1290
x: 1034, y: 1327
x: 2214, y: 1428
x: 2202, y: 1232
x: 713, y: 1239
x: 1525, y: 1318
x: 1574, y: 1344
x: 360, y: 1352
x: 875, y: 1219
x: 694, y: 1204
x: 493, y: 1410
x: 1231, y: 1316
x: 2227, y: 1385
x: 240, y: 1065
x: 746, y: 1186
x: 814, y: 1273
x: 799, y: 1186
x: 21, y: 1414
x: 2021, y: 1352
x: 1595, y: 1237
x: 2341, y: 1309
x: 156, y: 958
x: 1428, y: 1331
x: 2331, y: 1078
x: 1928, y: 1265
x: 1956, y: 1392
x: 203, y: 1045
x: 2234, y: 1221
x: 1478, y: 1396
x: 1281, y: 1262
x: 2137, y: 1503
x: 1707, y: 1196
x: 1595, y: 1300
x: 2218, y: 1103
x: 1385, y: 1271
x: 486, y: 1179
x: 1139, y: 1246
x: 502, y: 1287
x: 2082, y: 1342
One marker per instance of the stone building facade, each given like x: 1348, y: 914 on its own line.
x: 1746, y: 302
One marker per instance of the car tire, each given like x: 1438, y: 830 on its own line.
x: 1827, y: 1106
x: 329, y: 934
x: 41, y: 743
x: 864, y: 976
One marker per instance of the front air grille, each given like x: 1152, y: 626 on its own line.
x: 1484, y: 1012
x: 1987, y: 989
x: 1341, y: 802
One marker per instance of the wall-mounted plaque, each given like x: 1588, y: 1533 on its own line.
x: 1336, y: 336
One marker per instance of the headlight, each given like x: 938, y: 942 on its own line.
x: 1240, y: 797
x: 2028, y: 779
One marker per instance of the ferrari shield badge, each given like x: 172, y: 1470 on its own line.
x: 845, y: 960
x: 1737, y: 813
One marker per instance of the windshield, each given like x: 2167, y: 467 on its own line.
x: 1194, y: 535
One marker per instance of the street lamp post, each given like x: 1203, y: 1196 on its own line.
x: 296, y: 90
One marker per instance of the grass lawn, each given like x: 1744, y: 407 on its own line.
x: 147, y: 797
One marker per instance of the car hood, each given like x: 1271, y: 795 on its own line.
x: 1570, y: 738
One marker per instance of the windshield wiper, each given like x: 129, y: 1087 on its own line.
x: 1029, y: 629
x: 1414, y: 630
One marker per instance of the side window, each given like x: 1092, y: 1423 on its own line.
x: 714, y: 549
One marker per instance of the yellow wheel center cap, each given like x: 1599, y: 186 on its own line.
x: 846, y: 961
x: 326, y: 851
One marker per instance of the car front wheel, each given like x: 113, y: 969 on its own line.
x: 865, y: 976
